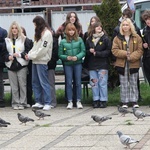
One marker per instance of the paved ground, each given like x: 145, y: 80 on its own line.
x: 72, y: 130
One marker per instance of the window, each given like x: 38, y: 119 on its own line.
x: 140, y: 7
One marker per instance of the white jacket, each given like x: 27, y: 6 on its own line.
x: 19, y: 48
x: 42, y: 50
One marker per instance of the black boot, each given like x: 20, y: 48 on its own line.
x: 96, y: 104
x: 103, y: 104
x: 2, y: 104
x: 140, y: 99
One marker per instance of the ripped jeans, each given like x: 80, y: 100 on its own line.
x: 98, y: 82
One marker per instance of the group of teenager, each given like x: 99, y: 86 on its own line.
x: 91, y: 50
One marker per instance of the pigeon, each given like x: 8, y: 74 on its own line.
x: 125, y: 139
x: 100, y: 119
x: 123, y: 111
x: 40, y: 114
x: 3, y: 125
x: 139, y: 114
x: 4, y: 122
x: 23, y: 119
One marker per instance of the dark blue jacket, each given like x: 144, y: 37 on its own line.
x: 3, y: 35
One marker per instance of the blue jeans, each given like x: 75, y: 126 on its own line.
x: 40, y: 84
x: 98, y: 82
x: 69, y: 71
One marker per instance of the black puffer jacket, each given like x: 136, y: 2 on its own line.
x: 3, y: 35
x: 102, y: 49
x: 146, y: 39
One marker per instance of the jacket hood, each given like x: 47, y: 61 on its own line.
x: 121, y: 37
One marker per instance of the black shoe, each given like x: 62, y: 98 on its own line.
x: 140, y: 99
x: 103, y: 104
x: 2, y: 104
x: 96, y: 104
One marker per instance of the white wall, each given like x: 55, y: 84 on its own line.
x: 59, y: 17
x: 24, y: 19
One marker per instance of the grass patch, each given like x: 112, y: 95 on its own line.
x: 7, y: 98
x: 113, y: 96
x: 45, y: 125
x: 128, y: 122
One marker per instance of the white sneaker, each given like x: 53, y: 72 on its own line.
x: 52, y: 106
x: 79, y: 105
x: 46, y: 107
x: 70, y: 105
x: 37, y: 105
x: 124, y: 106
x: 15, y: 107
x: 136, y: 106
x: 21, y: 107
x: 27, y: 106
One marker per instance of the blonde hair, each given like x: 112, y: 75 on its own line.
x: 20, y: 34
x: 132, y: 28
x: 69, y: 27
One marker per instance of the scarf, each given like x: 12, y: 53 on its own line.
x: 96, y: 37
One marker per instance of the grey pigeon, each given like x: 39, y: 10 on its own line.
x: 3, y: 125
x: 4, y: 122
x: 139, y: 114
x: 125, y: 139
x: 40, y: 114
x: 123, y: 111
x: 100, y: 119
x: 23, y: 119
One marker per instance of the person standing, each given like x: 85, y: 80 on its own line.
x: 93, y: 20
x: 146, y: 44
x: 71, y: 51
x: 40, y: 54
x: 28, y: 47
x: 17, y: 65
x: 51, y: 71
x: 70, y: 18
x: 127, y: 13
x: 3, y: 35
x: 98, y: 47
x: 127, y: 48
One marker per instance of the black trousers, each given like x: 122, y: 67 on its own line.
x: 1, y: 85
x: 146, y: 67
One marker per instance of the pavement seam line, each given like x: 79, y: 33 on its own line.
x: 142, y: 142
x: 22, y: 134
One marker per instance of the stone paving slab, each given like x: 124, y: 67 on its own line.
x: 73, y: 130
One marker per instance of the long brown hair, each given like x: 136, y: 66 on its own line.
x: 76, y: 23
x: 40, y: 26
x: 23, y: 31
x: 97, y: 24
x: 90, y: 25
x: 69, y: 27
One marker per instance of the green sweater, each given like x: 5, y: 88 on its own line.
x: 73, y: 48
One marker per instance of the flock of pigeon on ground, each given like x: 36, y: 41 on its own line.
x: 124, y: 139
